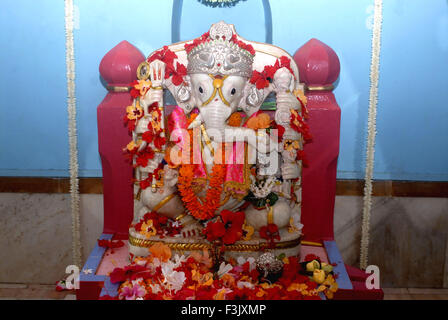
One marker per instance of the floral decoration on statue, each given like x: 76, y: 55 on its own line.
x: 205, y: 210
x: 228, y: 227
x: 133, y: 113
x: 206, y: 38
x: 157, y: 224
x: 175, y: 72
x: 139, y: 88
x: 270, y: 233
x: 264, y: 78
x: 298, y: 124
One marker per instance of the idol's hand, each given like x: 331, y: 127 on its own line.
x: 150, y: 97
x: 290, y: 171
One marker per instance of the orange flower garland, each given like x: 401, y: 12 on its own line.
x: 235, y: 119
x: 207, y: 209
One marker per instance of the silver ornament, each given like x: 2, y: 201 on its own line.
x: 267, y: 264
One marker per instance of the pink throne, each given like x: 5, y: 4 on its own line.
x: 319, y: 68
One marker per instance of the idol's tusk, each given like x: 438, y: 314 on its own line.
x: 196, y: 122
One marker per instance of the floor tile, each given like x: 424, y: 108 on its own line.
x: 428, y: 291
x: 13, y: 286
x: 395, y: 290
x: 397, y: 297
x: 429, y: 296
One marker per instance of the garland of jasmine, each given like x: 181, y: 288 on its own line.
x: 373, y: 101
x: 72, y: 135
x: 219, y: 3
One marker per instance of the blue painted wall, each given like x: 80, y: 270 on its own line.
x: 412, y: 110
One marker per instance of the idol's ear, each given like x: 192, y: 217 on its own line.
x: 253, y: 98
x: 183, y: 95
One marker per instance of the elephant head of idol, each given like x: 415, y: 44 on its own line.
x: 219, y: 67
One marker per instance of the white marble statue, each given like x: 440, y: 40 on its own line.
x: 213, y: 78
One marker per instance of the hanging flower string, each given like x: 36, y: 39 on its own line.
x: 72, y: 133
x: 371, y: 132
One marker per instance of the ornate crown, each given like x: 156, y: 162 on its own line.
x: 220, y: 52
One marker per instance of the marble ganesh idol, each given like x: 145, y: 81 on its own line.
x: 217, y: 171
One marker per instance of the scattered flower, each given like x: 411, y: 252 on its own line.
x: 224, y: 269
x: 160, y: 251
x: 110, y: 243
x: 132, y: 292
x: 87, y: 271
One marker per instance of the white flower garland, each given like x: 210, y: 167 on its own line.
x: 371, y: 125
x: 264, y: 188
x: 72, y: 135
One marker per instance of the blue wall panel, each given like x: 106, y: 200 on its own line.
x: 412, y: 109
x: 101, y: 25
x: 344, y: 26
x: 33, y: 117
x: 248, y: 18
x: 412, y: 141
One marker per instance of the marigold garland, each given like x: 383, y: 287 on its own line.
x: 207, y: 209
x: 235, y: 119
